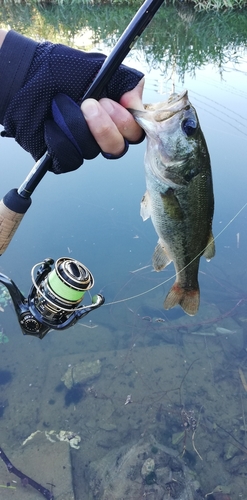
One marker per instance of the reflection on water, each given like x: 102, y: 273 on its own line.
x: 186, y: 377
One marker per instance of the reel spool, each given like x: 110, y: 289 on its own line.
x: 63, y: 289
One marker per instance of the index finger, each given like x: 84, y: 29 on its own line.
x: 123, y: 120
x: 102, y: 127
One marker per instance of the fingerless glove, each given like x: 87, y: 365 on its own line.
x: 31, y: 75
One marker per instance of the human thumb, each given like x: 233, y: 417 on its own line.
x: 133, y: 98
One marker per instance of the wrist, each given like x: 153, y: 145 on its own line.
x: 3, y: 34
x: 16, y: 55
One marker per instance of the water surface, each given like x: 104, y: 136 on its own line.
x: 165, y: 360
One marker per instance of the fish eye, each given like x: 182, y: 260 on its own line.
x: 189, y: 126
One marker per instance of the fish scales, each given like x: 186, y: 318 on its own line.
x: 179, y: 197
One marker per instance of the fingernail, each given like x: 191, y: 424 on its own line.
x: 107, y: 105
x: 90, y: 108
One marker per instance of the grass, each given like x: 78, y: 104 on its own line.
x: 205, y: 5
x: 179, y: 34
x: 219, y: 5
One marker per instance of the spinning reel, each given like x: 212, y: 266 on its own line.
x: 54, y: 298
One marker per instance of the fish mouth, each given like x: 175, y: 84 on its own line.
x: 166, y: 109
x: 174, y: 98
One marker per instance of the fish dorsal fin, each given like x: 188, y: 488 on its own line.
x: 160, y: 257
x: 145, y: 211
x: 209, y: 251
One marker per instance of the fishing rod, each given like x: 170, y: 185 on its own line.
x: 16, y: 202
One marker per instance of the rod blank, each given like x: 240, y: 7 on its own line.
x: 15, y: 203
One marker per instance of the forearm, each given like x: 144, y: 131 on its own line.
x: 16, y: 56
x: 3, y: 34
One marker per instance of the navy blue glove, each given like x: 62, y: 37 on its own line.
x: 31, y: 75
x: 68, y: 138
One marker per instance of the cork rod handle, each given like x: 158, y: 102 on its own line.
x: 15, y: 204
x: 12, y: 210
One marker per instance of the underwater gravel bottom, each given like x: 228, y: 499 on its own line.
x: 176, y: 390
x: 187, y: 398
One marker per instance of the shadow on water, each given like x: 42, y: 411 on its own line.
x: 167, y: 381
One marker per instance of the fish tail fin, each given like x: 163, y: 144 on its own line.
x: 188, y: 299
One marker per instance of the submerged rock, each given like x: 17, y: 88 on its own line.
x: 81, y: 373
x: 146, y: 469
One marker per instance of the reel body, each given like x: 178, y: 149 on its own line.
x: 54, y: 300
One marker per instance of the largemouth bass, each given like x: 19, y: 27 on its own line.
x: 179, y: 197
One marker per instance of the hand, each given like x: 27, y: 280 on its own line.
x: 40, y: 105
x: 110, y: 122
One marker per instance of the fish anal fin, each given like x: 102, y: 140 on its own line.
x: 189, y: 300
x: 209, y: 251
x: 161, y: 258
x: 145, y: 211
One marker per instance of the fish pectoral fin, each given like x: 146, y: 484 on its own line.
x: 145, y: 211
x: 209, y: 251
x: 171, y: 205
x: 160, y: 257
x: 189, y: 300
